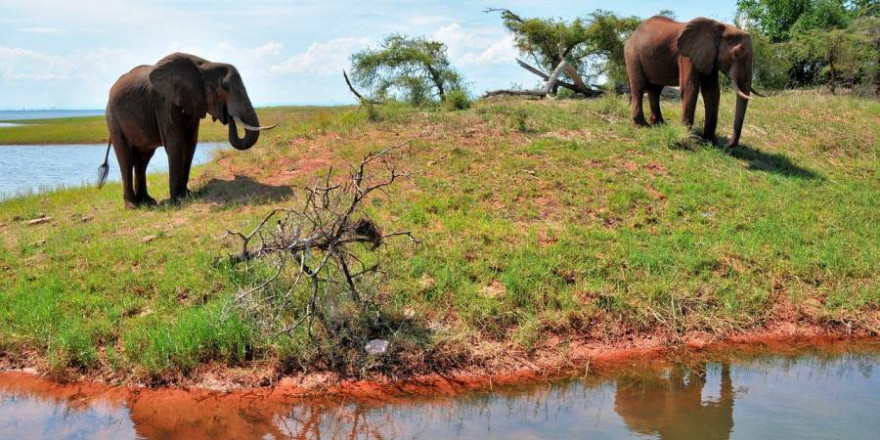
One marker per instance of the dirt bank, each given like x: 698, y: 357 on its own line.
x: 556, y: 359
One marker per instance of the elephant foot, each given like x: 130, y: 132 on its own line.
x: 148, y: 201
x: 658, y: 121
x: 640, y: 121
x: 143, y: 202
x: 178, y: 198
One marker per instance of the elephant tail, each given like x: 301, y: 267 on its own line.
x: 104, y: 169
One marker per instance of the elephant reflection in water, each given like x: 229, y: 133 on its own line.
x: 672, y: 407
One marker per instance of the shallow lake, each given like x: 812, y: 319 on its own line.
x: 807, y: 394
x: 31, y: 168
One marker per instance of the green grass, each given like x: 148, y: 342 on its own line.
x: 535, y: 219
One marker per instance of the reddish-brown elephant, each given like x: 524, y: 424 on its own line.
x: 663, y: 52
x: 161, y: 105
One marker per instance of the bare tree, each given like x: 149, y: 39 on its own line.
x: 311, y: 257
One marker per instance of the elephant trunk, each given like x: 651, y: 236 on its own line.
x: 741, y: 84
x: 739, y: 118
x: 246, y: 116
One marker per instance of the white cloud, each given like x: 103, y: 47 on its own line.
x: 24, y: 64
x: 501, y: 51
x: 270, y: 49
x: 42, y: 30
x: 476, y: 46
x: 327, y: 58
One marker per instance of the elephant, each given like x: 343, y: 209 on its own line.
x: 161, y: 105
x: 663, y: 52
x: 671, y: 405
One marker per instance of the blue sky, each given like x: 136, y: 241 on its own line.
x: 67, y: 54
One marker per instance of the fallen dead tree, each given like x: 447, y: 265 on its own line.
x: 552, y: 82
x: 316, y: 264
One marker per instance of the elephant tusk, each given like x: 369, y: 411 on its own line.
x: 739, y: 91
x: 759, y: 95
x: 251, y: 127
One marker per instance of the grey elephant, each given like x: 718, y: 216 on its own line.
x: 663, y: 52
x: 161, y: 105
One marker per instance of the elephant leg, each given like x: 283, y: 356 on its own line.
x: 636, y: 89
x: 177, y: 155
x: 654, y: 92
x: 124, y: 158
x: 190, y: 154
x: 638, y: 114
x: 690, y: 92
x: 141, y: 160
x: 711, y: 100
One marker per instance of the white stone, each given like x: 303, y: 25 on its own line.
x: 376, y: 346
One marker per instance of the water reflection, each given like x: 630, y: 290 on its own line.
x: 818, y: 395
x: 671, y: 406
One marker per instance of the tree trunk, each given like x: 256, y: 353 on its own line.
x: 833, y: 76
x: 438, y: 82
x: 551, y: 82
x: 877, y: 75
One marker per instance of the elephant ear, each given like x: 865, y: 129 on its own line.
x: 699, y: 42
x: 178, y: 79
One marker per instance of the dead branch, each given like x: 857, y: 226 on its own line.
x: 554, y: 76
x: 534, y: 70
x: 551, y: 81
x: 309, y: 248
x: 510, y: 92
x: 361, y: 99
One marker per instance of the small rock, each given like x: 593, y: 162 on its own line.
x: 39, y: 221
x: 409, y: 313
x: 376, y: 347
x: 86, y: 218
x: 149, y: 238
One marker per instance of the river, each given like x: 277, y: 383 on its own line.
x: 26, y: 169
x: 808, y: 394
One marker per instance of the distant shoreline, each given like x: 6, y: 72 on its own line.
x: 23, y: 115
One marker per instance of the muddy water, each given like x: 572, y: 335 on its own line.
x: 828, y: 393
x: 32, y: 168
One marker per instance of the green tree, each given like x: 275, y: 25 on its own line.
x: 772, y: 62
x: 416, y: 70
x: 867, y: 33
x: 546, y: 40
x: 606, y: 36
x: 837, y: 52
x: 593, y: 44
x: 774, y: 18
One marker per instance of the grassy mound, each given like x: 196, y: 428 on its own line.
x: 540, y: 222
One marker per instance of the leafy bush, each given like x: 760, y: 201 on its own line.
x: 457, y: 99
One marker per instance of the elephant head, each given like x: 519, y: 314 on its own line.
x: 712, y: 45
x: 199, y: 87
